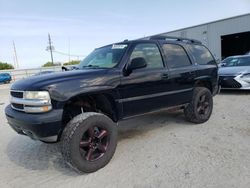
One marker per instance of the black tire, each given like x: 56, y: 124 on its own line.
x: 200, y: 108
x: 81, y: 137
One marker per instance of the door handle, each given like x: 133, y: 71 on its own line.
x: 164, y: 76
x: 192, y: 73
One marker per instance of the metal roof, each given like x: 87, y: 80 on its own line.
x: 248, y: 14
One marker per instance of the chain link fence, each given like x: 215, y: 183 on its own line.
x: 18, y: 74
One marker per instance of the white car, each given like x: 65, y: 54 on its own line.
x: 234, y: 72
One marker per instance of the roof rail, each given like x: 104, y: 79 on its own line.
x: 162, y: 37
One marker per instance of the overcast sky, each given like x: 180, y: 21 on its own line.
x: 86, y: 25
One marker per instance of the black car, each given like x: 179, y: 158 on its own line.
x: 82, y: 108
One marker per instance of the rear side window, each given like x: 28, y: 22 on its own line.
x: 176, y: 56
x: 201, y: 55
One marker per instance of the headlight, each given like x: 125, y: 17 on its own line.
x: 39, y: 101
x: 43, y: 95
x: 245, y: 75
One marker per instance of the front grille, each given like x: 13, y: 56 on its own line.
x: 17, y: 94
x: 229, y: 82
x: 18, y: 106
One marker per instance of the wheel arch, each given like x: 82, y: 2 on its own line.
x: 92, y: 102
x: 205, y: 82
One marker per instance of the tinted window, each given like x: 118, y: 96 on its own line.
x: 150, y: 52
x: 175, y: 56
x: 201, y: 55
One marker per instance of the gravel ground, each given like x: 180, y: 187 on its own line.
x: 156, y: 150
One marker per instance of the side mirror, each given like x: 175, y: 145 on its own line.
x: 65, y: 68
x: 137, y: 63
x: 222, y: 64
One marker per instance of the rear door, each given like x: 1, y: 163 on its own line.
x: 182, y: 73
x: 206, y: 65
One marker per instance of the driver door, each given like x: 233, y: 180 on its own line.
x: 143, y: 90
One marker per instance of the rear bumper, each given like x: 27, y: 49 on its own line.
x: 45, y: 127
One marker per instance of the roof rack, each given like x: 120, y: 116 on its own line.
x: 162, y: 37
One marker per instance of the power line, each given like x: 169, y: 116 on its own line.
x: 67, y: 54
x: 52, y: 50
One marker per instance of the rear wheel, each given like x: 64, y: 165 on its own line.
x: 89, y: 141
x: 200, y: 108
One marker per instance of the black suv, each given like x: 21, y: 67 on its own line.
x: 82, y: 107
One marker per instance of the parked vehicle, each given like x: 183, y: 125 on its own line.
x: 82, y: 108
x: 234, y: 72
x: 5, y: 78
x: 70, y: 68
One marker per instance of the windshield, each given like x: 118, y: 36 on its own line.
x: 236, y: 61
x: 105, y: 57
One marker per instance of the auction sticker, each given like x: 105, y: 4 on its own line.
x: 119, y: 46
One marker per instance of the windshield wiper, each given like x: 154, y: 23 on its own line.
x: 91, y: 66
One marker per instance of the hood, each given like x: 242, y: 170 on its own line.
x: 233, y: 71
x: 39, y: 82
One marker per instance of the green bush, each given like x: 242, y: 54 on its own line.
x: 50, y: 64
x: 73, y: 62
x: 5, y: 66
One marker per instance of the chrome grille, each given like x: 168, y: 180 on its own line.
x: 19, y: 102
x: 17, y: 94
x: 17, y: 106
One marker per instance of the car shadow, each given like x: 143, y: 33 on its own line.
x: 141, y: 125
x: 38, y: 156
x: 234, y: 92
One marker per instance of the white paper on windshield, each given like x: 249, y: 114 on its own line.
x: 119, y: 46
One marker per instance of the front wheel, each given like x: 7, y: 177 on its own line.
x: 200, y: 108
x: 89, y: 141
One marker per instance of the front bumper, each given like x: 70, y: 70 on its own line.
x: 45, y: 126
x: 234, y: 82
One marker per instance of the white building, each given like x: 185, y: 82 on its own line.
x: 224, y: 38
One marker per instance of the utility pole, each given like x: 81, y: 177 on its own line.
x: 69, y: 49
x: 16, y: 65
x: 50, y: 49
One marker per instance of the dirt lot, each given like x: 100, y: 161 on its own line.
x: 157, y: 150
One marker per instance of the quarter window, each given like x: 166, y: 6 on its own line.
x: 176, y: 56
x: 202, y: 55
x: 150, y: 52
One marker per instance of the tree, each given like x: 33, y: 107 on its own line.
x: 73, y: 62
x: 5, y: 66
x: 50, y: 64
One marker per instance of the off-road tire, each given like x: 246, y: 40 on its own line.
x: 72, y: 136
x: 191, y: 110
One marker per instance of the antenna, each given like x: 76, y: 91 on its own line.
x: 16, y: 65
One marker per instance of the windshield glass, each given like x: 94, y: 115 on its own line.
x: 105, y: 57
x: 236, y: 61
